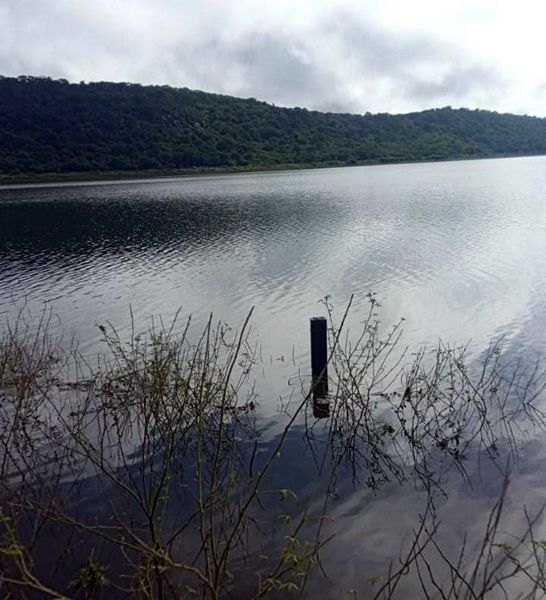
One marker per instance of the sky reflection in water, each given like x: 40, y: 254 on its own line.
x: 455, y: 248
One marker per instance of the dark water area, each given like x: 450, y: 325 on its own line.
x: 457, y: 249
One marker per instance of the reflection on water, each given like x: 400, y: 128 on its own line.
x: 455, y: 248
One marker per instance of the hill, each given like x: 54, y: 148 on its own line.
x: 53, y: 126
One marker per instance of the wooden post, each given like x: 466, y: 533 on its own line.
x: 319, y: 356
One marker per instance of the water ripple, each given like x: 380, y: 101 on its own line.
x: 456, y: 248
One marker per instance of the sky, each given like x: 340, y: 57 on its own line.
x: 339, y: 55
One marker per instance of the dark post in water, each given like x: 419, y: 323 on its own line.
x: 319, y: 362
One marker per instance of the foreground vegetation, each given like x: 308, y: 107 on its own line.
x: 53, y: 127
x: 146, y: 474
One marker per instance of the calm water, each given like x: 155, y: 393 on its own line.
x: 457, y: 249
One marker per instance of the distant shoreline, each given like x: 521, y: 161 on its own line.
x: 7, y: 181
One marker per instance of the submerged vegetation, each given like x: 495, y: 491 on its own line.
x: 54, y: 127
x: 147, y: 473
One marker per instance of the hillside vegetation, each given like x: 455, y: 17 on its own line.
x: 49, y: 126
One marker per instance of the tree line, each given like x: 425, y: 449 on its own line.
x: 53, y: 126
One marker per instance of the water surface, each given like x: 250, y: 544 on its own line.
x: 456, y: 248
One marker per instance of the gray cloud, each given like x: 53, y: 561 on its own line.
x: 380, y: 51
x: 458, y: 82
x: 419, y: 66
x: 273, y: 65
x: 268, y: 66
x: 332, y: 58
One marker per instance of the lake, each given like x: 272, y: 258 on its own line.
x: 456, y: 249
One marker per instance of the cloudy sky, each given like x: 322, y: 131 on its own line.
x: 339, y: 55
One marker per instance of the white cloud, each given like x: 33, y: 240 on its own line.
x: 354, y: 55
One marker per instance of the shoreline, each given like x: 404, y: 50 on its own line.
x: 46, y: 179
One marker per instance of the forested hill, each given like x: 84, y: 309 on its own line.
x: 55, y: 126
